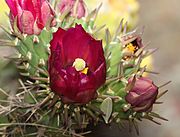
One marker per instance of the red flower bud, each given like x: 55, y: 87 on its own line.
x: 32, y: 15
x: 65, y: 4
x: 76, y: 66
x: 143, y: 95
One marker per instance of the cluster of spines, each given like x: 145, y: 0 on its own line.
x: 118, y: 73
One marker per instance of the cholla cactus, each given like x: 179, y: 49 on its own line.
x: 69, y: 79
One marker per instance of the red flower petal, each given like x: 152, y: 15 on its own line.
x: 57, y: 38
x: 57, y: 55
x: 26, y: 22
x: 99, y: 75
x: 13, y: 6
x: 46, y: 13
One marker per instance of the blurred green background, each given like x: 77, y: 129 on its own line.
x: 161, y: 19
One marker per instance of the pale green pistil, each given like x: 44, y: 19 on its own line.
x: 79, y: 64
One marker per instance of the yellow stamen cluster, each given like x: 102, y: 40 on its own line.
x: 129, y: 50
x: 131, y: 47
x: 85, y: 71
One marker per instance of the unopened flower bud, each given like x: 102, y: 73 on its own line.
x: 143, y: 95
x: 31, y: 16
x: 76, y: 9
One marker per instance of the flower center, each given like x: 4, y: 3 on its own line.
x: 80, y: 65
x: 131, y: 47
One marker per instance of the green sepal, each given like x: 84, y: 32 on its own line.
x: 106, y: 107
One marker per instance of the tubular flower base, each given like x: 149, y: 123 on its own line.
x: 69, y: 78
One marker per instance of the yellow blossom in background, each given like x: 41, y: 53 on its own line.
x: 148, y: 61
x: 3, y: 9
x: 112, y: 11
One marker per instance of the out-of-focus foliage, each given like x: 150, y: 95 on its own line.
x: 3, y: 10
x: 112, y: 11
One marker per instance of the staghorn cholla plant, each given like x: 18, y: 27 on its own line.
x: 70, y: 79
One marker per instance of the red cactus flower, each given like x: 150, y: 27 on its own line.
x: 32, y: 15
x: 143, y: 95
x: 65, y: 4
x: 76, y: 66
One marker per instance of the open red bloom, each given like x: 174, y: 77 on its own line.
x: 32, y: 15
x: 76, y: 66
